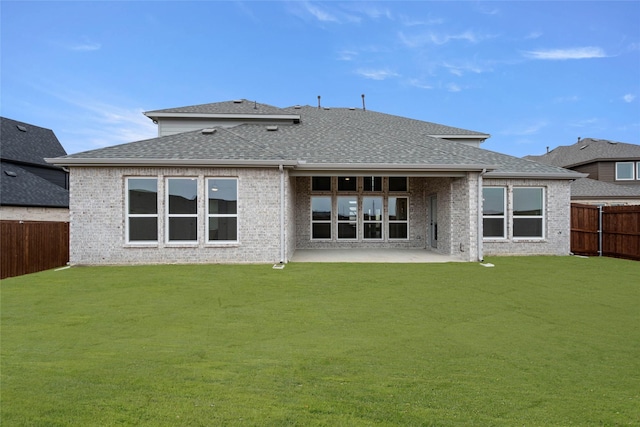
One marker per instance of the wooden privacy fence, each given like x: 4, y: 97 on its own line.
x: 605, y: 230
x: 29, y: 246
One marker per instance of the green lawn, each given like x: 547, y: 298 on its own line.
x: 535, y: 341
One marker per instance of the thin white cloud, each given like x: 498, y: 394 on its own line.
x: 347, y: 55
x: 452, y: 87
x: 373, y: 74
x: 86, y: 47
x: 431, y: 37
x: 628, y: 97
x: 566, y: 99
x: 533, y: 35
x: 525, y: 128
x: 563, y: 54
x: 320, y: 14
x: 419, y: 84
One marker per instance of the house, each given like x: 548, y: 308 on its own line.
x: 613, y: 170
x: 34, y: 200
x: 241, y: 181
x: 32, y: 189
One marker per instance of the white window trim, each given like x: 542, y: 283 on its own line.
x: 210, y: 215
x: 129, y: 215
x: 633, y: 172
x: 312, y: 221
x: 349, y: 221
x: 543, y: 216
x: 638, y: 171
x: 369, y: 221
x: 504, y: 216
x: 168, y: 215
x: 396, y: 221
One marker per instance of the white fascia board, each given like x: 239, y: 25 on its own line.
x: 368, y: 169
x: 171, y: 162
x: 223, y: 116
x: 536, y: 175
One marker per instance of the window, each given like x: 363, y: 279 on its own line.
x: 222, y: 210
x: 398, y: 219
x: 182, y: 210
x: 372, y: 217
x: 347, y: 217
x: 321, y: 217
x: 624, y: 171
x: 493, y: 212
x: 142, y: 210
x: 372, y: 183
x: 398, y: 183
x: 347, y: 183
x: 638, y: 170
x: 528, y: 212
x: 321, y: 183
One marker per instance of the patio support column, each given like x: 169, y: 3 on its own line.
x: 282, y: 210
x: 480, y: 231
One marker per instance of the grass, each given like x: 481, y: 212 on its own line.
x: 536, y: 341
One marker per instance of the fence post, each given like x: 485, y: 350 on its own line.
x: 600, y: 230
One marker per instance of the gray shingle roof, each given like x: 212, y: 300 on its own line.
x: 327, y: 137
x: 30, y: 145
x: 591, y: 188
x: 240, y: 106
x: 23, y: 188
x: 589, y: 150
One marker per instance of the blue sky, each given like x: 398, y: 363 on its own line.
x: 531, y: 74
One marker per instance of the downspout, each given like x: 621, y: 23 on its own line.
x: 600, y: 230
x: 480, y: 231
x: 282, y: 234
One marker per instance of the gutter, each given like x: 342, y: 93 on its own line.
x: 63, y: 161
x: 154, y: 116
x: 536, y: 175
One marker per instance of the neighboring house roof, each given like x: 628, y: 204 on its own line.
x: 23, y: 188
x: 23, y: 148
x: 586, y: 188
x: 25, y: 143
x: 323, y: 139
x: 589, y: 150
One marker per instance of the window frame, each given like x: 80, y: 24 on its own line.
x: 397, y: 221
x: 169, y: 215
x: 321, y: 221
x: 504, y: 215
x: 209, y: 215
x: 542, y: 216
x: 379, y: 222
x: 638, y: 171
x: 129, y: 215
x: 633, y: 171
x: 352, y: 219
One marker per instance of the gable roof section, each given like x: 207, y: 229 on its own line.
x: 28, y: 144
x: 324, y: 139
x: 240, y: 108
x: 23, y: 188
x: 589, y: 150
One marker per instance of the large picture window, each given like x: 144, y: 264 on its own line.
x: 222, y: 210
x: 372, y: 217
x: 142, y: 210
x: 493, y: 212
x: 348, y: 217
x: 398, y: 218
x: 182, y: 210
x: 321, y: 217
x: 528, y: 213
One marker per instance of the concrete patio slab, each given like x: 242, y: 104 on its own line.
x: 371, y: 255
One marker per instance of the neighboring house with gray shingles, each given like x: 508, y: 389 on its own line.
x: 613, y: 170
x: 31, y: 188
x: 240, y: 181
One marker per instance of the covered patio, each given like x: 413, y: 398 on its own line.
x: 371, y: 255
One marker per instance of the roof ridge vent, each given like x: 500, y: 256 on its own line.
x: 237, y: 101
x: 208, y: 131
x: 272, y: 128
x: 22, y: 128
